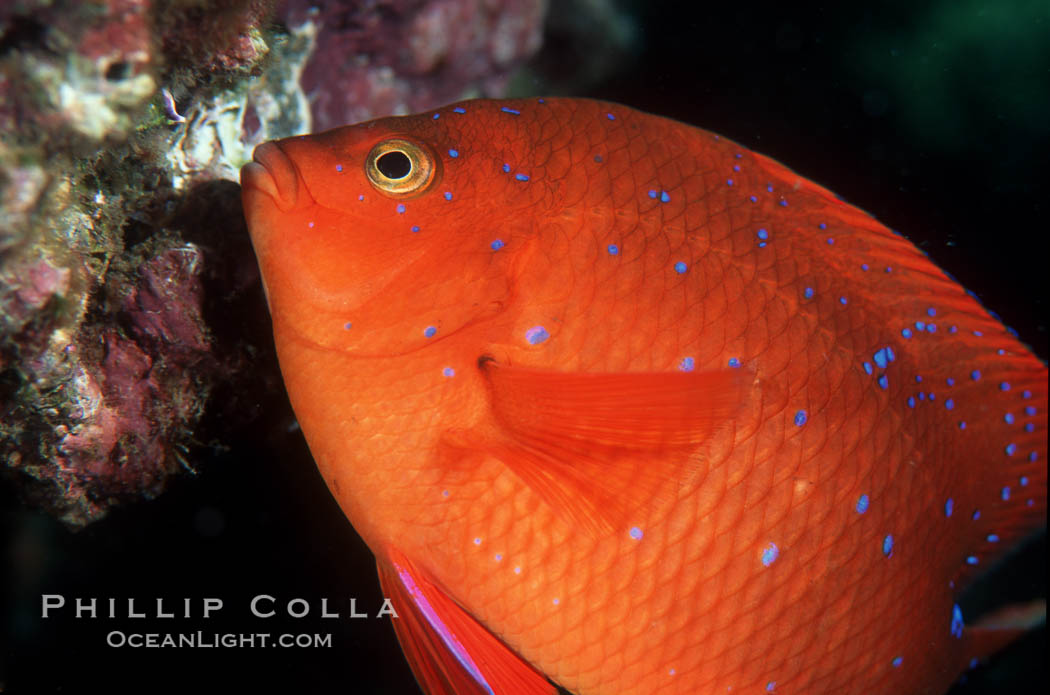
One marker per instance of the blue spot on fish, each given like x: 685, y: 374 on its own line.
x: 515, y: 112
x: 957, y: 622
x: 769, y: 555
x: 665, y: 197
x: 800, y: 418
x: 808, y: 293
x: 897, y: 661
x: 453, y: 153
x: 401, y: 208
x: 636, y: 533
x: 449, y: 372
x: 887, y: 546
x: 448, y: 195
x: 680, y: 267
x: 497, y: 244
x: 763, y: 234
x: 536, y: 335
x: 734, y: 362
x: 613, y: 249
x: 430, y: 331
x: 862, y: 504
x: 687, y: 364
x: 459, y: 109
x: 521, y: 177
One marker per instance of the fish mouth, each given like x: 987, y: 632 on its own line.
x: 272, y: 173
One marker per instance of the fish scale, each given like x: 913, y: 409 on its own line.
x: 622, y: 404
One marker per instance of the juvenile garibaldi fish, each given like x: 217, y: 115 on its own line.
x: 623, y: 406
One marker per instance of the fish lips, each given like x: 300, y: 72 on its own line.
x: 272, y: 173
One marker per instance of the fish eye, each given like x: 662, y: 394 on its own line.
x: 400, y: 168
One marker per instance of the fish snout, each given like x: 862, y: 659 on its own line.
x: 272, y: 172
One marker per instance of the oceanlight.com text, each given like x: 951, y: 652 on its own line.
x: 216, y: 640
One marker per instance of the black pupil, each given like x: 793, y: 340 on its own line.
x: 394, y: 165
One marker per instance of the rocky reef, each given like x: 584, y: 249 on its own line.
x: 125, y: 271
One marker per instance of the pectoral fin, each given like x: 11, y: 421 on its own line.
x: 599, y: 446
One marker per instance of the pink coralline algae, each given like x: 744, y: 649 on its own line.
x: 401, y: 56
x: 106, y: 361
x: 118, y: 399
x: 165, y: 307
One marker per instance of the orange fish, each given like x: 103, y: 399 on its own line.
x: 623, y: 406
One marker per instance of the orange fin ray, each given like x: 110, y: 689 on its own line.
x: 449, y: 651
x: 996, y: 630
x: 599, y: 446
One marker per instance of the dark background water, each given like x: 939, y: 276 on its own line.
x: 931, y: 116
